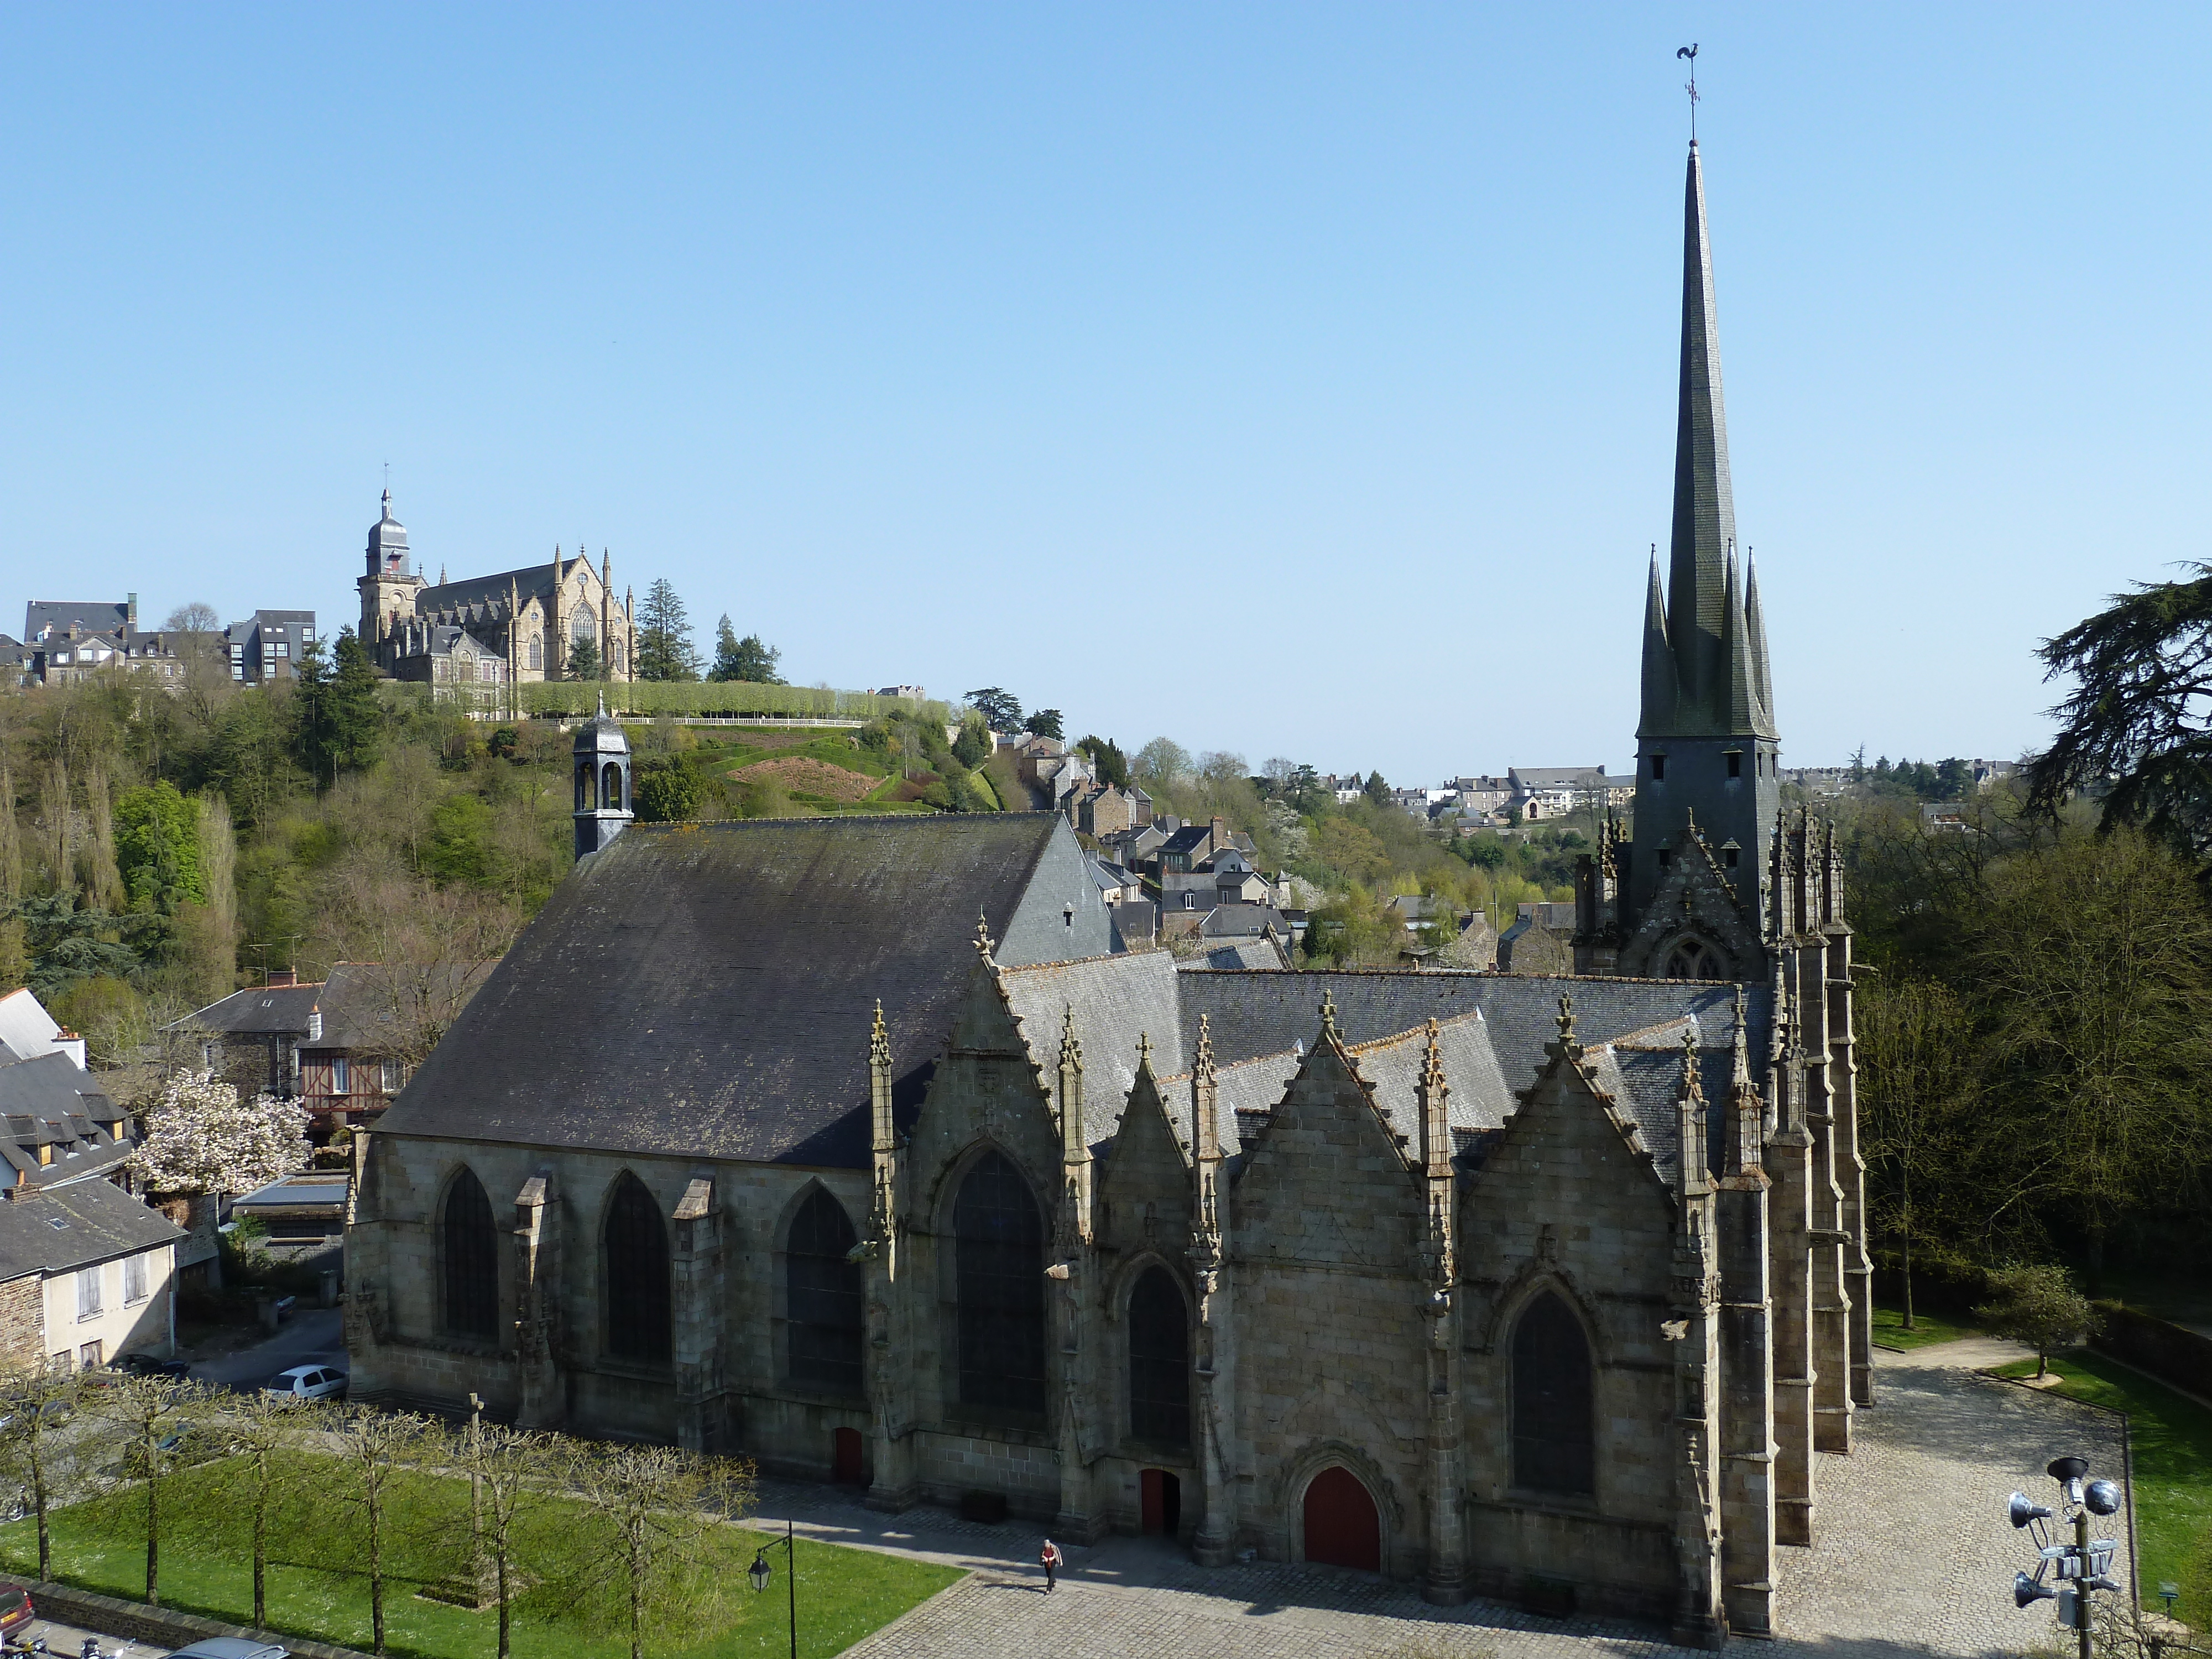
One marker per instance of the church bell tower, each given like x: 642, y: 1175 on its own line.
x: 1706, y: 750
x: 389, y: 587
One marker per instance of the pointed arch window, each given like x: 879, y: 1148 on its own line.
x: 536, y: 652
x: 1553, y: 1437
x: 1693, y: 959
x: 470, y: 1253
x: 1159, y: 1361
x: 822, y: 1297
x: 999, y: 1250
x: 638, y: 1315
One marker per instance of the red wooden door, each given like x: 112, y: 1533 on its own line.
x: 847, y: 1454
x: 1342, y: 1526
x: 1151, y: 1497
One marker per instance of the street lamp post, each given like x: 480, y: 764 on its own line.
x: 2081, y: 1567
x: 760, y: 1572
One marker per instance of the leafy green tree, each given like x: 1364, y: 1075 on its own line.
x: 1918, y: 1096
x: 157, y: 847
x: 972, y: 746
x: 356, y: 722
x: 2137, y: 724
x: 2037, y: 1306
x: 750, y: 660
x: 664, y: 651
x: 1045, y: 723
x: 1375, y: 790
x: 584, y: 660
x: 1107, y: 760
x: 1161, y: 764
x: 999, y: 707
x: 667, y: 791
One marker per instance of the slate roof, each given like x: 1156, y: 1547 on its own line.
x: 259, y: 1011
x: 91, y: 616
x: 27, y: 1030
x: 1237, y: 956
x: 98, y: 1222
x: 355, y: 996
x: 49, y: 1102
x: 705, y: 990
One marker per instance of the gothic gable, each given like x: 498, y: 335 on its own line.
x: 1695, y: 927
x: 1327, y: 1180
x: 1145, y: 1189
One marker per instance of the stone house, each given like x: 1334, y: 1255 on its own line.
x: 451, y: 660
x: 1541, y: 939
x: 87, y: 1275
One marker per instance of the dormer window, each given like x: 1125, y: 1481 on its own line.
x: 1729, y: 852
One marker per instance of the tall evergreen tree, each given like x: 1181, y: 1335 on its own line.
x: 664, y: 651
x: 751, y: 659
x: 356, y: 722
x: 584, y: 660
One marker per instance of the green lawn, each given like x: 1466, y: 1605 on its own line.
x: 2171, y: 1438
x: 1927, y: 1328
x: 318, y: 1587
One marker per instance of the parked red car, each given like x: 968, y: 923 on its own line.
x: 16, y: 1609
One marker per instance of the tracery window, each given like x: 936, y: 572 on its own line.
x: 580, y: 628
x: 472, y: 1259
x: 1159, y: 1361
x: 1693, y: 959
x: 1000, y: 1246
x: 536, y: 652
x: 822, y: 1297
x: 1553, y: 1439
x: 638, y: 1321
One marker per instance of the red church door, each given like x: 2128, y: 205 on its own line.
x: 1342, y: 1526
x: 1159, y: 1500
x: 846, y: 1446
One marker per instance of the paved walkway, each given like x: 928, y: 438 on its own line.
x: 1915, y: 1557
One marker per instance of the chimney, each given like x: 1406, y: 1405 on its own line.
x: 24, y: 1187
x: 283, y: 976
x: 131, y: 611
x: 70, y: 1044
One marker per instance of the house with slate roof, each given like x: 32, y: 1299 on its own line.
x: 855, y: 1145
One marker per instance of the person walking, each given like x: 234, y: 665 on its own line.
x: 1049, y: 1558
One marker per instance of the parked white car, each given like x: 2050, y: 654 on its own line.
x: 309, y: 1382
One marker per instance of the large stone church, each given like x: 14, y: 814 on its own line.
x: 508, y: 630
x: 859, y: 1146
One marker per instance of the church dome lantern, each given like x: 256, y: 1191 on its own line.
x: 603, y: 781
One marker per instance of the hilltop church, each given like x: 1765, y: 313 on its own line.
x: 503, y: 630
x: 759, y: 1141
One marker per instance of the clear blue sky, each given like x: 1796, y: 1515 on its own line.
x: 1287, y: 379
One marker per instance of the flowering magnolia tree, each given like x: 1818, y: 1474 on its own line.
x: 203, y: 1137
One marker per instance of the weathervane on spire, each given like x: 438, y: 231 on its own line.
x: 1690, y: 51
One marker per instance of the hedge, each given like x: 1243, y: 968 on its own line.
x: 726, y: 698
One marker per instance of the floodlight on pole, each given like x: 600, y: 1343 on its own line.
x: 2082, y: 1565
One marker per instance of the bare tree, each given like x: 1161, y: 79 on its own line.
x: 377, y: 1447
x: 660, y: 1508
x: 147, y: 1415
x: 1919, y: 1092
x: 263, y: 1430
x: 422, y: 947
x: 509, y: 1474
x: 34, y: 1449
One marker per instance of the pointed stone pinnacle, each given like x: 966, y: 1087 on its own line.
x: 1329, y: 1014
x: 1566, y: 1017
x: 1432, y: 1063
x: 1143, y: 1051
x: 1689, y: 1058
x: 1203, y: 1064
x: 984, y: 937
x: 879, y: 1041
x: 1071, y: 1051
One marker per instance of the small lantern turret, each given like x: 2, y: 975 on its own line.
x: 603, y: 791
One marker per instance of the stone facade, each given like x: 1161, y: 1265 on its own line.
x: 522, y: 624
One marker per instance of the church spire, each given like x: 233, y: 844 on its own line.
x: 1705, y: 507
x: 1658, y: 659
x: 1755, y: 625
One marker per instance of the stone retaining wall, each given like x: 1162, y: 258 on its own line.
x: 159, y: 1626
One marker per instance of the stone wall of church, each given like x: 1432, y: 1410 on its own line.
x: 1565, y: 1204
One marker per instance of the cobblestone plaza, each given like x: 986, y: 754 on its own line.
x: 1914, y: 1556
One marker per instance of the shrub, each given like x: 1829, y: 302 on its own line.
x: 2037, y: 1306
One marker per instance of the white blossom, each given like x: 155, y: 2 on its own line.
x: 202, y: 1137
